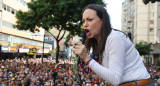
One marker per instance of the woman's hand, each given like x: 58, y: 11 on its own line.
x: 81, y: 51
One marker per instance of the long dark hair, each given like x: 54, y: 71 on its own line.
x: 99, y: 47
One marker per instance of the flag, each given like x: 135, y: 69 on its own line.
x: 87, y: 70
x: 96, y: 58
x: 56, y: 66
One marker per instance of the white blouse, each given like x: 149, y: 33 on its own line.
x: 121, y: 62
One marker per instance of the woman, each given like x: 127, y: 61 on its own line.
x: 119, y: 63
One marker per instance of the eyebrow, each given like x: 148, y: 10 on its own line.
x: 87, y: 18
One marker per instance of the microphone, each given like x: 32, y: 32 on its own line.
x: 83, y: 35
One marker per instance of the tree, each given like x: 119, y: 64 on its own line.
x: 143, y: 47
x: 157, y: 63
x: 60, y: 14
x: 152, y: 1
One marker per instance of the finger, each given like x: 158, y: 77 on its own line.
x: 75, y: 43
x: 79, y: 46
x: 76, y: 51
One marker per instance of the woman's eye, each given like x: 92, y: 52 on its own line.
x: 90, y: 19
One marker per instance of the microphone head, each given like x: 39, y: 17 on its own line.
x: 83, y: 35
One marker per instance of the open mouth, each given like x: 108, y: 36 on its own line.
x: 86, y: 30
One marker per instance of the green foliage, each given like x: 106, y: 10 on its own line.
x: 20, y: 44
x: 1, y: 42
x: 152, y: 1
x: 157, y: 62
x: 61, y: 14
x: 143, y: 47
x: 9, y: 44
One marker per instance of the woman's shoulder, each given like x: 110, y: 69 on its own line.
x: 117, y: 34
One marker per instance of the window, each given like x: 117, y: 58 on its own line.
x: 13, y: 11
x: 151, y: 15
x: 152, y: 22
x: 151, y: 29
x: 152, y: 7
x: 8, y: 9
x: 4, y: 7
x: 21, y: 1
x: 26, y: 5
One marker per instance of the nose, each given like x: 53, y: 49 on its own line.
x: 85, y: 24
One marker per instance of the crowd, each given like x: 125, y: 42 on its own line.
x: 154, y: 72
x: 32, y: 72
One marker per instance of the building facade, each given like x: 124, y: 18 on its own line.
x: 147, y: 26
x: 143, y: 22
x: 146, y: 22
x: 127, y: 21
x: 14, y: 40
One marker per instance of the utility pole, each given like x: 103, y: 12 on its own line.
x: 43, y: 45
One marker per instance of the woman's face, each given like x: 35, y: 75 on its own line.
x: 92, y: 24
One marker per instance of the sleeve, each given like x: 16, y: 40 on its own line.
x: 116, y: 53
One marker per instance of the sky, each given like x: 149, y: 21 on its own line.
x: 114, y: 8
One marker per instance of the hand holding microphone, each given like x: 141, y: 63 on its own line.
x: 81, y: 51
x: 76, y: 44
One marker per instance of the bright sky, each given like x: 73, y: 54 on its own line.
x: 114, y: 8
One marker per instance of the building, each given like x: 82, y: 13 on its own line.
x: 146, y: 22
x: 147, y: 25
x: 143, y: 22
x: 127, y: 17
x: 14, y: 40
x: 156, y: 52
